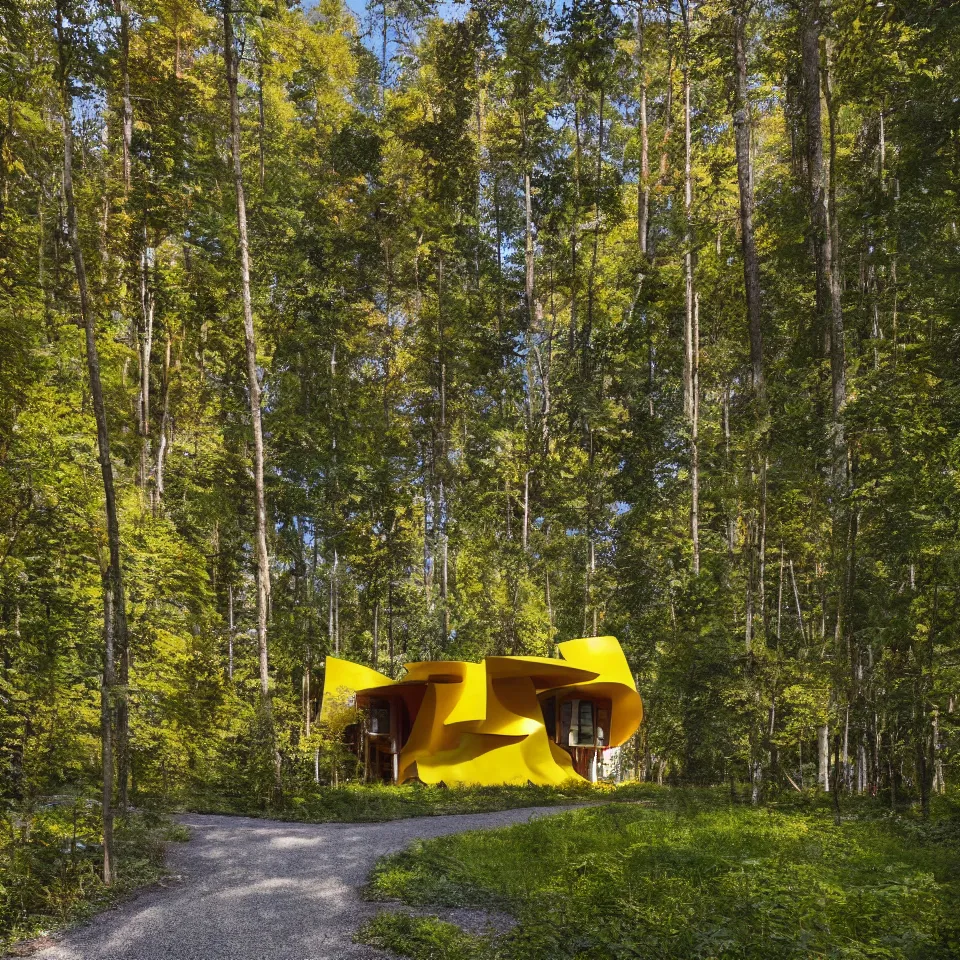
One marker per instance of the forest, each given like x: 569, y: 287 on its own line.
x: 424, y: 330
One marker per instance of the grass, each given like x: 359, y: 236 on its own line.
x: 368, y: 803
x: 425, y: 937
x: 688, y: 877
x: 51, y: 861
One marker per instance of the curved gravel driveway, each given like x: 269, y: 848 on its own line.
x: 262, y: 890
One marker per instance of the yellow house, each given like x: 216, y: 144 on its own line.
x: 504, y: 720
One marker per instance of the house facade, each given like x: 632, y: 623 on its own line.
x: 503, y: 720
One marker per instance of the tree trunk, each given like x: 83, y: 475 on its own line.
x: 587, y: 345
x: 838, y: 374
x: 751, y: 267
x: 230, y: 629
x: 261, y: 125
x: 114, y: 607
x: 529, y: 251
x: 253, y: 384
x: 828, y: 284
x: 526, y: 509
x: 390, y: 648
x: 164, y: 426
x: 123, y: 651
x: 691, y: 318
x: 126, y: 120
x: 147, y: 309
x: 823, y: 755
x: 643, y: 181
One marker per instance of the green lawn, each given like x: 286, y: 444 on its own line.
x: 367, y: 803
x: 685, y: 876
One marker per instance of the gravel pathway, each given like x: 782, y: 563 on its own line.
x: 262, y: 890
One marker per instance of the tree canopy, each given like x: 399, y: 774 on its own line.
x: 603, y: 318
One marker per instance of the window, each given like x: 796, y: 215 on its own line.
x: 603, y: 726
x: 566, y: 712
x: 549, y: 708
x: 583, y: 723
x: 585, y: 733
x: 379, y: 721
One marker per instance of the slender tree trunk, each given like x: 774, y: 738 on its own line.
x: 123, y: 12
x: 253, y: 385
x: 587, y: 346
x: 574, y: 251
x: 230, y: 629
x: 261, y: 126
x: 823, y: 755
x: 529, y: 277
x: 526, y: 509
x: 835, y: 786
x: 838, y: 375
x: 307, y: 681
x: 334, y: 639
x: 668, y: 105
x: 695, y: 441
x: 164, y: 426
x: 147, y: 309
x: 114, y: 605
x: 780, y: 594
x: 691, y: 323
x: 122, y: 653
x: 384, y: 31
x: 643, y: 181
x: 828, y: 283
x: 751, y: 267
x: 106, y: 732
x: 390, y: 648
x: 547, y: 600
x: 441, y: 526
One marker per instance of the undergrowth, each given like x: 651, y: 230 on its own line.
x: 51, y: 864
x: 366, y: 803
x: 688, y: 878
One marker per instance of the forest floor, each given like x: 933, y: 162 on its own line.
x: 51, y: 861
x: 660, y: 872
x: 685, y: 875
x: 246, y: 889
x: 376, y: 803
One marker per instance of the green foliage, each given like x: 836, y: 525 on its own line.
x: 424, y: 938
x: 50, y: 864
x: 688, y: 878
x: 475, y: 426
x: 370, y: 803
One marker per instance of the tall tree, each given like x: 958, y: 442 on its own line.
x: 115, y: 633
x: 748, y: 243
x: 691, y: 328
x: 253, y: 395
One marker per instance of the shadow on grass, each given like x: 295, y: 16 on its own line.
x: 687, y: 875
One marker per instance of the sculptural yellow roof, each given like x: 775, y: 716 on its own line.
x: 487, y: 723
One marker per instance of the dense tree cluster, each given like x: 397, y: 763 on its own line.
x: 437, y: 332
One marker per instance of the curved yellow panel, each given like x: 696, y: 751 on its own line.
x: 512, y: 708
x: 438, y: 671
x: 614, y: 681
x: 471, y: 704
x: 603, y: 655
x: 342, y: 680
x: 543, y: 671
x: 482, y: 723
x: 488, y: 760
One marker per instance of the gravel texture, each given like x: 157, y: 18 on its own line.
x: 246, y: 889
